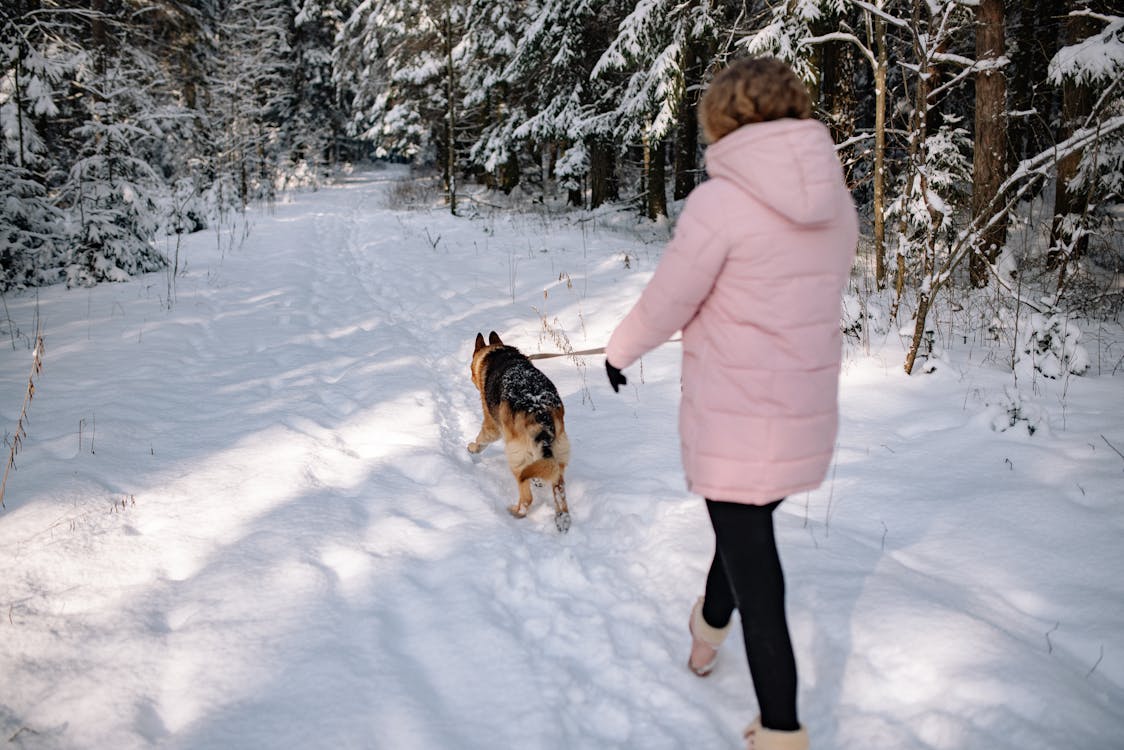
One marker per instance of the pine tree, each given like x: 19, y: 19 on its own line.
x: 113, y: 193
x: 791, y: 25
x: 314, y: 128
x: 180, y: 104
x: 30, y: 247
x: 1089, y: 70
x: 657, y: 47
x: 402, y: 60
x: 491, y: 105
x: 251, y: 94
x: 562, y: 109
x: 38, y: 54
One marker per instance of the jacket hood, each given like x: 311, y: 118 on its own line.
x: 789, y: 165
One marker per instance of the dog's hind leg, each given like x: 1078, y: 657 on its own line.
x: 561, y: 510
x: 519, y: 510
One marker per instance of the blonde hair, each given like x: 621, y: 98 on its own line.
x: 752, y: 90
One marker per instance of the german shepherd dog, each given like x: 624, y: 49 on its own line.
x: 523, y: 406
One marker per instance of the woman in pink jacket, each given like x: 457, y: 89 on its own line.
x: 753, y: 277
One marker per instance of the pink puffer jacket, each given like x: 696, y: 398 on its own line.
x: 753, y: 276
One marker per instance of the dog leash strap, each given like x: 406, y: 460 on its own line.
x: 582, y: 353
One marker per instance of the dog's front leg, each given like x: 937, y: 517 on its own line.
x: 489, y: 433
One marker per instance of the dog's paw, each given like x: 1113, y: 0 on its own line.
x: 475, y: 447
x: 562, y: 521
x: 517, y: 510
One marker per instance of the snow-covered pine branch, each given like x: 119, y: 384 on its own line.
x: 631, y: 40
x: 1098, y: 58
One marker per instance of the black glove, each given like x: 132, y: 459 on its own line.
x: 616, y: 377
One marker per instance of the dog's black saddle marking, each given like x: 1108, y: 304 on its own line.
x: 511, y: 377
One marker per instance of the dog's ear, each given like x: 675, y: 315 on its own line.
x: 494, y: 339
x: 479, y: 343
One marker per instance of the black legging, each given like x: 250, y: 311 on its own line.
x: 746, y: 574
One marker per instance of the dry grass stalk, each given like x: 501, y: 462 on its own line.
x: 21, y: 432
x: 556, y: 334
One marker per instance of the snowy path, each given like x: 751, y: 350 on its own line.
x: 250, y: 521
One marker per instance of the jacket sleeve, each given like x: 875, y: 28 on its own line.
x: 683, y: 279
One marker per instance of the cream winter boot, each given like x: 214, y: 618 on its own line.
x: 705, y: 640
x: 758, y: 737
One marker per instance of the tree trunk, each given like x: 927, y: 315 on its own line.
x: 989, y: 160
x: 924, y: 302
x: 98, y: 35
x: 1037, y: 37
x: 1077, y: 104
x: 450, y: 103
x: 657, y: 179
x: 243, y: 182
x: 598, y: 171
x: 509, y: 173
x: 919, y: 131
x: 837, y: 87
x: 602, y: 172
x: 512, y: 171
x: 918, y: 120
x: 687, y: 133
x: 17, y: 100
x: 686, y: 156
x: 880, y: 154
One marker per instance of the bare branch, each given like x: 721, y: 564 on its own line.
x: 947, y: 57
x: 876, y: 11
x: 1104, y: 99
x: 956, y: 80
x: 841, y: 36
x: 1086, y: 13
x: 1015, y: 293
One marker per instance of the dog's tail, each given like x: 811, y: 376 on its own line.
x: 546, y: 469
x: 546, y: 435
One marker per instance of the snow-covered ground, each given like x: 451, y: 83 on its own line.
x: 248, y: 519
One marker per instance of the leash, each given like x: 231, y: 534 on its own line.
x: 582, y: 353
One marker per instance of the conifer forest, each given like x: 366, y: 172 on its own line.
x: 983, y: 140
